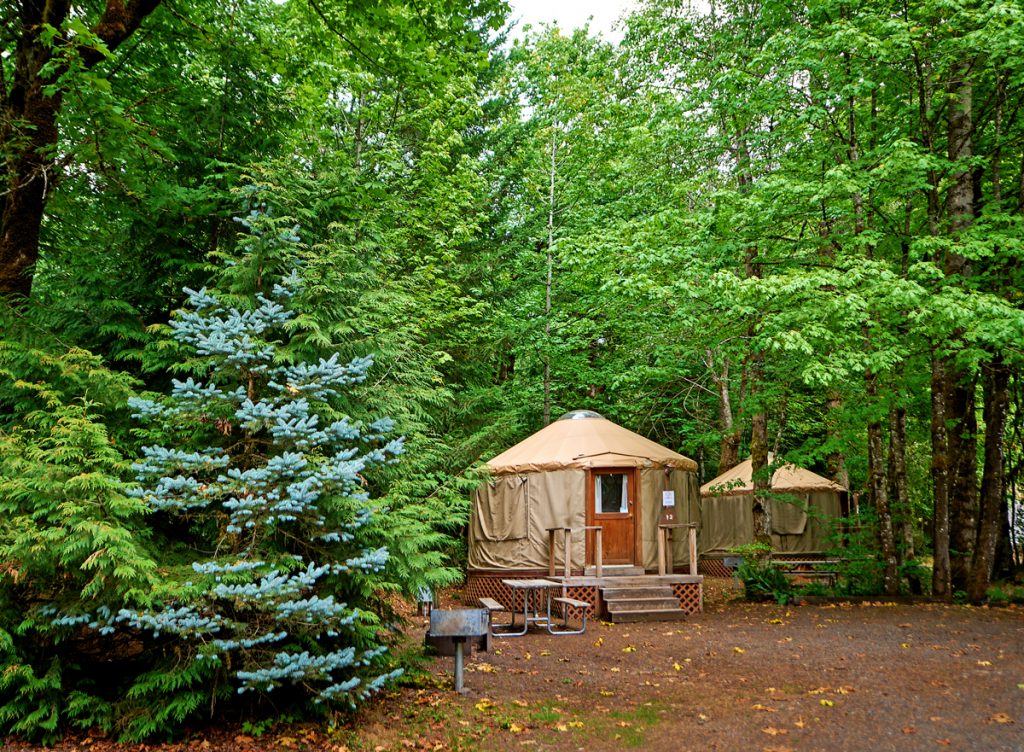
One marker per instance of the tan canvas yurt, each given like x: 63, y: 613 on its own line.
x: 803, y: 508
x: 581, y: 470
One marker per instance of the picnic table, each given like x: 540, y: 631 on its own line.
x: 534, y: 591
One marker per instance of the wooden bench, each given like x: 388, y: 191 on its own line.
x: 491, y: 605
x: 566, y: 604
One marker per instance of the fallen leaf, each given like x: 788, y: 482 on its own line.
x: 1000, y: 718
x: 943, y: 742
x: 800, y: 723
x: 739, y: 650
x: 545, y: 652
x: 826, y: 703
x: 629, y: 649
x: 521, y: 703
x: 624, y: 724
x: 762, y: 708
x: 515, y: 728
x: 561, y: 727
x: 575, y: 724
x: 485, y: 704
x: 240, y: 739
x: 775, y: 621
x: 677, y: 667
x: 844, y: 690
x: 487, y: 668
x: 984, y: 663
x: 598, y: 642
x: 606, y: 693
x: 772, y: 731
x: 777, y: 749
x: 909, y: 730
x: 904, y: 644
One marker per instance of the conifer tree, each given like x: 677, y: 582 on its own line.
x: 264, y: 485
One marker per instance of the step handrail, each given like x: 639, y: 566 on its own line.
x: 567, y: 549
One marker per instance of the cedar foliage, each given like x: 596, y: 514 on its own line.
x: 247, y: 559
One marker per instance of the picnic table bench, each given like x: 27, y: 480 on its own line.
x: 823, y: 569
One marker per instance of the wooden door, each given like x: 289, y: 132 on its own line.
x: 611, y: 504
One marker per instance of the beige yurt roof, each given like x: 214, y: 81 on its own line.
x: 581, y: 439
x: 738, y: 480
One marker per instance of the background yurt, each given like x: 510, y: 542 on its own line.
x: 804, y: 507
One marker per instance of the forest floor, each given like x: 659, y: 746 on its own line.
x: 838, y: 676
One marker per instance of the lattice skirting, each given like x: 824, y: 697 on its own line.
x: 713, y: 568
x: 690, y: 595
x: 490, y: 586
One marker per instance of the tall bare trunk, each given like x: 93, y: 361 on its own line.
x: 995, y: 384
x: 961, y: 439
x: 880, y: 497
x: 729, y: 446
x: 941, y: 581
x: 962, y: 442
x: 547, y: 289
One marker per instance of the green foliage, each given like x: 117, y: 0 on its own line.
x: 70, y: 540
x: 855, y: 545
x: 1001, y: 594
x: 761, y: 579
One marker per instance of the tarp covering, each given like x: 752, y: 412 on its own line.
x: 591, y: 441
x: 789, y: 515
x: 541, y: 483
x: 504, y: 508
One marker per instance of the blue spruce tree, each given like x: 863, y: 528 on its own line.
x: 264, y: 489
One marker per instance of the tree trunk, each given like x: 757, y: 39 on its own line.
x: 962, y: 442
x: 879, y: 496
x: 729, y: 446
x: 941, y: 584
x: 996, y: 408
x: 547, y: 287
x: 29, y: 133
x: 759, y: 462
x: 899, y: 490
x: 961, y: 439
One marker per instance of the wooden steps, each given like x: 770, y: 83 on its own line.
x: 636, y: 599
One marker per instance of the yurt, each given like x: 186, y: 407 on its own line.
x: 581, y: 470
x: 803, y: 506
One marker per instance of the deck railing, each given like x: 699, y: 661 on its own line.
x: 665, y: 563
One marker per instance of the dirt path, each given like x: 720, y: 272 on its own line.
x: 840, y: 677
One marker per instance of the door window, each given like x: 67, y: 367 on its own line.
x: 611, y: 493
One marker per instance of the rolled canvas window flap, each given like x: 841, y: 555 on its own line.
x: 502, y: 508
x: 789, y: 515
